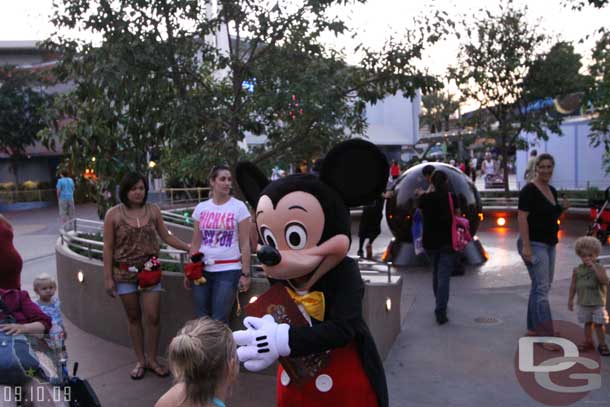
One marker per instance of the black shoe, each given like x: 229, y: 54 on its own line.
x: 441, y: 319
x: 360, y: 253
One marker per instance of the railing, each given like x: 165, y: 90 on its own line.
x: 34, y: 195
x: 72, y: 231
x: 513, y: 201
x: 186, y: 195
x: 177, y: 218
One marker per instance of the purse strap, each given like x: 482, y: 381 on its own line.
x: 451, y: 205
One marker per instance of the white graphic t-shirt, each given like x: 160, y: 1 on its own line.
x: 219, y: 232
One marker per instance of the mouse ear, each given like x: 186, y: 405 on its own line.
x: 251, y: 181
x: 357, y: 170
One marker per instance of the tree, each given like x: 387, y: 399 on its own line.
x: 437, y: 108
x: 598, y: 89
x: 157, y: 81
x: 599, y: 95
x: 501, y: 66
x: 21, y: 112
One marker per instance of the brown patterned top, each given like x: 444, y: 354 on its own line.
x: 134, y: 245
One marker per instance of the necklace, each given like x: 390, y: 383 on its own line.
x: 137, y: 218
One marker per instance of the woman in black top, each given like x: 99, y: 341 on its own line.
x: 437, y: 240
x: 539, y: 210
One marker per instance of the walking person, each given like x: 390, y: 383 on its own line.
x: 438, y: 219
x: 370, y: 226
x: 131, y: 239
x: 221, y: 230
x: 65, y: 197
x: 394, y: 170
x: 473, y: 168
x: 538, y: 212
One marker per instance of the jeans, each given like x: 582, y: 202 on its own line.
x: 215, y: 298
x: 541, y: 271
x: 444, y: 262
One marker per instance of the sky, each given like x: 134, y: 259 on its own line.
x: 375, y: 21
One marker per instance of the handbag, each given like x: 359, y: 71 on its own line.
x: 460, y: 229
x: 417, y: 232
x: 18, y: 362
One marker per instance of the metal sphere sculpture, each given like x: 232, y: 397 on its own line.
x: 401, y: 206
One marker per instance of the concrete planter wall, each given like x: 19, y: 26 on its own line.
x: 88, y: 306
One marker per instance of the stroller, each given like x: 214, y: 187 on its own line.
x: 52, y: 382
x: 600, y: 214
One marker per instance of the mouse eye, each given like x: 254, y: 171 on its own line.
x: 268, y: 237
x: 296, y: 236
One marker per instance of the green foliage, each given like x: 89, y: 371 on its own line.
x: 437, y: 108
x: 21, y: 110
x: 156, y: 82
x: 501, y: 66
x: 599, y: 95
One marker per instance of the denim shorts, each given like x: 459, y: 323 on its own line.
x: 130, y: 288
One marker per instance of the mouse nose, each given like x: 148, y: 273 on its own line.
x: 269, y: 255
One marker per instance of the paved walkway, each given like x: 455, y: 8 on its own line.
x: 463, y: 363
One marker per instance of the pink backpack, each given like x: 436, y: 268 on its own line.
x: 460, y: 229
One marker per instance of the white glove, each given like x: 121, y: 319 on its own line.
x: 262, y: 343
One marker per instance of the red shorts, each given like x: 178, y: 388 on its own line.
x: 342, y: 382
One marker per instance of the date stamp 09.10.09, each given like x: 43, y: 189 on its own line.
x: 36, y: 393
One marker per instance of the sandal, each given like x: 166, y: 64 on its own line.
x: 586, y: 347
x: 138, y: 372
x: 603, y: 349
x: 157, y: 369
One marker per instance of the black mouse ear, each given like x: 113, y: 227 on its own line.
x: 251, y: 181
x: 357, y: 170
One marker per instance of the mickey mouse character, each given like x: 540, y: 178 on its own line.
x: 304, y: 226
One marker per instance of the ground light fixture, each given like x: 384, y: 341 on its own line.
x: 80, y: 276
x: 388, y: 304
x: 501, y: 221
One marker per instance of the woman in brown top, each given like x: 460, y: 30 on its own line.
x: 131, y: 237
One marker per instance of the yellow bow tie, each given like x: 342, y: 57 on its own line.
x: 313, y: 303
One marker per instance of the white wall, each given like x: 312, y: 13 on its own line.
x: 577, y: 164
x: 394, y: 120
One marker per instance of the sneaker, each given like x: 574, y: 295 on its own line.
x: 441, y: 319
x: 360, y: 253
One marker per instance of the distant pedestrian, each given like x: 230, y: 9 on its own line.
x: 394, y: 170
x: 538, y: 212
x: 65, y: 197
x: 438, y: 219
x: 473, y: 168
x: 488, y: 166
x: 11, y: 264
x: 370, y: 226
x: 590, y: 286
x: 530, y: 169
